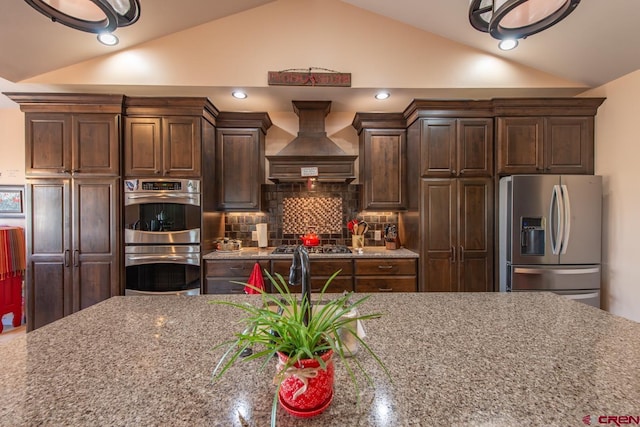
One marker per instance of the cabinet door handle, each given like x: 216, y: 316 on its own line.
x: 76, y: 258
x: 385, y: 267
x: 453, y: 254
x: 65, y: 171
x: 461, y: 253
x: 66, y: 257
x: 453, y: 171
x: 236, y: 268
x: 385, y: 289
x: 157, y: 172
x: 75, y: 170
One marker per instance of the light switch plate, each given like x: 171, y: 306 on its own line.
x: 377, y: 235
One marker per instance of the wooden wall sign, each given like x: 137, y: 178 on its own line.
x: 309, y: 78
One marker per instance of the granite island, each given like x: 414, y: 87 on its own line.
x: 455, y: 359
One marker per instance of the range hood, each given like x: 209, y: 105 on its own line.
x: 311, y: 149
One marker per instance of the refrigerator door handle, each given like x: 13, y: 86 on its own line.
x: 540, y: 271
x: 557, y: 227
x: 566, y: 219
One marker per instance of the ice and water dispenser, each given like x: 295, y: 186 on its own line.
x: 532, y: 236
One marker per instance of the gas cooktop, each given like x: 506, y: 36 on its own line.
x: 324, y: 249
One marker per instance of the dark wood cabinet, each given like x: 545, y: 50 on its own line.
x: 240, y: 155
x: 457, y: 234
x: 383, y: 169
x: 386, y: 275
x: 452, y: 147
x: 64, y: 144
x: 73, y: 154
x: 72, y: 246
x: 321, y: 271
x: 545, y: 145
x: 382, y: 160
x: 240, y: 139
x: 163, y: 146
x: 221, y: 275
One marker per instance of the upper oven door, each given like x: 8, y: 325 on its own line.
x: 160, y: 213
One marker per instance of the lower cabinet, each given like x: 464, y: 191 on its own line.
x: 386, y: 275
x: 321, y: 270
x: 72, y: 246
x: 220, y: 275
x: 359, y: 275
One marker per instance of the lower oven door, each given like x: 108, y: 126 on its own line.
x: 160, y: 270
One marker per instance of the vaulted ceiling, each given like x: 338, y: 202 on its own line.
x: 595, y: 44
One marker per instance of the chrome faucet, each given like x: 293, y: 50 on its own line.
x: 300, y: 272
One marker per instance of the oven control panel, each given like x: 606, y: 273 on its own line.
x: 162, y: 185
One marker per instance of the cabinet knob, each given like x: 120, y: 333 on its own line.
x: 157, y: 172
x: 539, y: 168
x: 65, y: 171
x: 453, y: 171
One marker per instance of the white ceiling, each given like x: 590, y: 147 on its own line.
x: 597, y: 43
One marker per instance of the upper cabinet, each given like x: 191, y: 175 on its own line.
x: 71, y: 135
x: 239, y: 157
x: 545, y: 145
x: 546, y: 135
x: 163, y: 136
x: 382, y: 160
x: 451, y: 147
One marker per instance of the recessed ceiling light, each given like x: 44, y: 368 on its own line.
x: 238, y: 94
x: 108, y: 39
x: 508, y: 44
x: 382, y: 95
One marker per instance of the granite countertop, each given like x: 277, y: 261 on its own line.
x: 456, y: 359
x: 266, y: 253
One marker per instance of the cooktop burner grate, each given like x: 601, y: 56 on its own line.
x: 324, y: 249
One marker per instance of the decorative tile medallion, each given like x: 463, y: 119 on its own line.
x: 324, y: 214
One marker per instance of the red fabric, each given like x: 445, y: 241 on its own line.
x: 256, y: 280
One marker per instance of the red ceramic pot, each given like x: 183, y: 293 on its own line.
x: 310, y: 399
x: 310, y: 239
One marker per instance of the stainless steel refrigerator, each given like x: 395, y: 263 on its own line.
x: 550, y: 235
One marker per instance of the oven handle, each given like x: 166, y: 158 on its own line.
x: 185, y: 199
x: 151, y: 259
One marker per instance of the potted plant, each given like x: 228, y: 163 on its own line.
x: 304, y: 338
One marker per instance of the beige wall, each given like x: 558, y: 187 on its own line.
x: 618, y: 161
x: 11, y: 153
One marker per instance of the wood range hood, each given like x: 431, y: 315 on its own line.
x: 311, y: 149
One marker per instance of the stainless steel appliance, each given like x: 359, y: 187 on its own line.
x: 162, y: 236
x: 324, y: 249
x: 550, y: 235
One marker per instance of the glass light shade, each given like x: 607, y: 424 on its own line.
x: 530, y: 12
x: 518, y: 18
x: 382, y: 95
x: 508, y: 44
x: 81, y: 9
x: 238, y: 94
x: 93, y: 16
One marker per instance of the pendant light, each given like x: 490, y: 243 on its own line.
x: 517, y: 19
x: 92, y: 16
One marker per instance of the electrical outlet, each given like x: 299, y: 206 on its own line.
x: 254, y: 236
x: 377, y: 235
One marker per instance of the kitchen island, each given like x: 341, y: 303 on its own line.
x: 455, y: 359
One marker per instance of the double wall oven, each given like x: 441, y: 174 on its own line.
x: 162, y: 236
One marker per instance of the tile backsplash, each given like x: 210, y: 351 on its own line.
x: 290, y: 208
